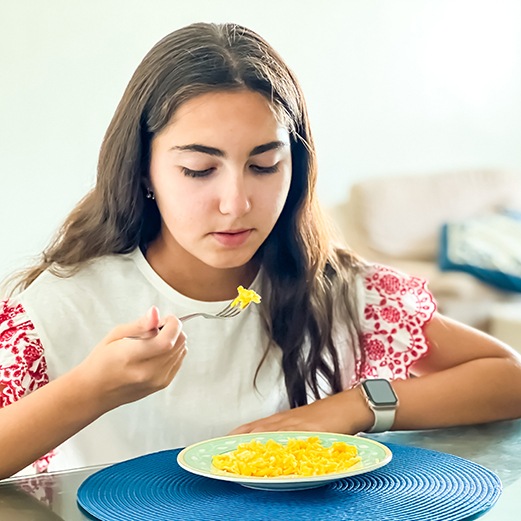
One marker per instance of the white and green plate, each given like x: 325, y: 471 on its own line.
x: 197, y: 459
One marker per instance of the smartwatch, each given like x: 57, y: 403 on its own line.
x: 382, y: 400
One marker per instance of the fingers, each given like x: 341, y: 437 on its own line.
x: 299, y: 419
x: 263, y: 425
x: 151, y: 319
x: 145, y: 327
x: 243, y: 429
x: 176, y: 362
x: 252, y: 429
x: 150, y: 323
x: 172, y: 333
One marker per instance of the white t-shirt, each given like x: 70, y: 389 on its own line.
x: 214, y: 391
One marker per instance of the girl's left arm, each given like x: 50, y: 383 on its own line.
x: 467, y: 377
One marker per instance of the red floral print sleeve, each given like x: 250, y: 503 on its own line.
x: 396, y: 307
x: 22, y: 362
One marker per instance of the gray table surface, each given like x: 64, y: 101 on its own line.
x: 496, y: 446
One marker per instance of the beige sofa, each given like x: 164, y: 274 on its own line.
x: 397, y: 220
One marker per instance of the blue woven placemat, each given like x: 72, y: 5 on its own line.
x: 417, y: 485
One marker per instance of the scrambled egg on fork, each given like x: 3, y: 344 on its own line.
x: 245, y: 298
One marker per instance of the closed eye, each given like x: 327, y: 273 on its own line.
x: 206, y: 172
x: 197, y: 173
x: 265, y: 169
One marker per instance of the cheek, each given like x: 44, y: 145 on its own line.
x: 279, y: 202
x: 176, y: 198
x: 283, y: 191
x: 184, y: 211
x: 273, y: 200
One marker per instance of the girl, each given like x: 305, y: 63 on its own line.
x: 206, y: 181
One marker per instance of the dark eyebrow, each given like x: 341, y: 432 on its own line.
x: 200, y: 148
x: 272, y: 145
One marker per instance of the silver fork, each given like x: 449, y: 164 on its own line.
x: 227, y: 312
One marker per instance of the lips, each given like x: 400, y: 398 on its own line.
x: 232, y: 238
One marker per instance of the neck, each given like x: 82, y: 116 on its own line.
x: 195, y: 279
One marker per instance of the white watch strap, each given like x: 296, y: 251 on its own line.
x: 383, y: 419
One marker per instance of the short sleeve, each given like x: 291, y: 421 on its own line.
x: 23, y: 368
x: 394, y: 311
x: 22, y: 363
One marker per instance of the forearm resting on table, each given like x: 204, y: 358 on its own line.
x: 466, y: 377
x: 39, y: 422
x: 478, y: 391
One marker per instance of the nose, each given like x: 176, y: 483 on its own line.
x: 235, y: 197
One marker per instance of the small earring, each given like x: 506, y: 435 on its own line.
x: 150, y: 194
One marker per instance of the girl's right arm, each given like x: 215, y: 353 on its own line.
x: 119, y: 370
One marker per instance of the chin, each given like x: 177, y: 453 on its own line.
x: 228, y: 261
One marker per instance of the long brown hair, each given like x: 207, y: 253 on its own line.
x: 308, y: 277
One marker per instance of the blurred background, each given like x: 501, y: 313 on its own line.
x: 402, y: 88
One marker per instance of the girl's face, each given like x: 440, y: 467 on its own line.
x: 220, y: 172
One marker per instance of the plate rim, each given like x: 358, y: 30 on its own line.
x: 281, y: 480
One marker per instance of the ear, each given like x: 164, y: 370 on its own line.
x: 149, y: 193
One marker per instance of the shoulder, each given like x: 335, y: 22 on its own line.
x: 377, y: 283
x: 96, y: 270
x: 95, y: 297
x: 101, y: 276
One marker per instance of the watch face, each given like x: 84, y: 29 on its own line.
x: 380, y: 392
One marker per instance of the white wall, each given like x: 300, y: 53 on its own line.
x: 402, y: 86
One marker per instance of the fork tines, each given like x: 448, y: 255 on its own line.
x: 229, y: 312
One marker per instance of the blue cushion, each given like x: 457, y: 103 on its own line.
x: 487, y: 247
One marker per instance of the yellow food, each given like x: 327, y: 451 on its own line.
x: 245, y: 298
x: 297, y: 458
